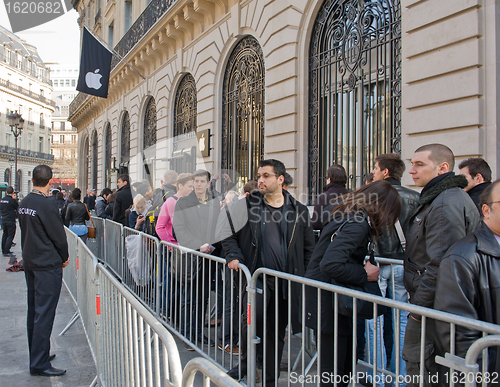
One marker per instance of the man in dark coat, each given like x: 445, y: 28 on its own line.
x: 445, y: 215
x: 278, y: 235
x: 194, y: 224
x: 336, y: 181
x: 8, y: 208
x: 469, y: 282
x: 478, y: 174
x: 89, y: 200
x: 45, y: 255
x: 123, y: 199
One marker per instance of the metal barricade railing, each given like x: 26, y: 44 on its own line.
x: 114, y: 246
x: 202, y: 301
x: 287, y: 281
x: 141, y: 271
x: 178, y: 298
x: 136, y: 348
x: 96, y: 245
x: 211, y: 372
x: 70, y: 272
x: 129, y: 345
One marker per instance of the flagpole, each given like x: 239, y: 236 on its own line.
x: 112, y: 51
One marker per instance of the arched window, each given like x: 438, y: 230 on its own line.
x: 95, y: 159
x: 6, y: 176
x: 19, y: 180
x: 107, y: 155
x: 243, y: 110
x: 354, y: 88
x: 125, y: 143
x: 185, y: 106
x: 185, y: 112
x: 86, y: 151
x: 150, y: 124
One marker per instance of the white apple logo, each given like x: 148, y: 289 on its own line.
x: 93, y: 80
x: 202, y: 142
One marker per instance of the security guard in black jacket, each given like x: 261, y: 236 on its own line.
x: 45, y: 254
x: 8, y: 206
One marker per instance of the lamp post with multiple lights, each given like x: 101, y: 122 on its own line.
x: 16, y: 123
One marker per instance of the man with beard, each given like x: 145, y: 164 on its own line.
x: 277, y: 235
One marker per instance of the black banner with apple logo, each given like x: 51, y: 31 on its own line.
x: 95, y: 67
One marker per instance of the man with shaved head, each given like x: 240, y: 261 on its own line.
x: 445, y: 214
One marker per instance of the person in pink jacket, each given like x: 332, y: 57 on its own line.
x: 185, y: 185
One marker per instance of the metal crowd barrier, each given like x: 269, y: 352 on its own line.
x: 202, y: 301
x: 184, y: 286
x: 288, y: 281
x: 114, y: 246
x: 212, y: 374
x: 129, y: 345
x: 140, y: 271
x: 96, y: 245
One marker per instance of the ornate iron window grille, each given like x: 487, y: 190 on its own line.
x: 107, y: 160
x: 355, y: 88
x: 185, y: 106
x: 243, y: 110
x: 87, y: 166
x: 6, y: 176
x: 150, y: 124
x: 95, y: 159
x: 125, y: 139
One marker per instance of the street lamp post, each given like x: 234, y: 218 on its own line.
x: 16, y: 124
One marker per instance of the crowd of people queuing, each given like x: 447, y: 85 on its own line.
x: 447, y: 236
x: 452, y: 223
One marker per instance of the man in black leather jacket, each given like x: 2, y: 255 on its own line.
x: 469, y: 281
x: 445, y: 215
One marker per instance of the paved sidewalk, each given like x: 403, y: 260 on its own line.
x: 71, y: 349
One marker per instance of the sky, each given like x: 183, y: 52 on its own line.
x: 56, y: 41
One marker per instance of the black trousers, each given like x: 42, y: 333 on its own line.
x: 44, y: 289
x: 275, y: 317
x: 344, y: 359
x: 9, y: 231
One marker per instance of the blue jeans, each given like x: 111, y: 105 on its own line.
x: 397, y: 292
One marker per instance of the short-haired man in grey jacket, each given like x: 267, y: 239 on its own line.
x: 445, y: 215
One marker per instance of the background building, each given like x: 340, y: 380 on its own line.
x: 309, y: 82
x: 64, y: 135
x: 24, y: 87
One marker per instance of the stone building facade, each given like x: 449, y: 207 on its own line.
x: 64, y: 136
x: 24, y: 87
x: 221, y: 84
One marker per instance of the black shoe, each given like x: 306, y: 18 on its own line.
x: 235, y: 373
x: 51, y: 372
x: 188, y: 347
x: 52, y: 357
x: 13, y: 244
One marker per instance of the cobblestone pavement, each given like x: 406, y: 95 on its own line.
x: 71, y: 349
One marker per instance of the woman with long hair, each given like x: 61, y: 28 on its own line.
x: 363, y: 215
